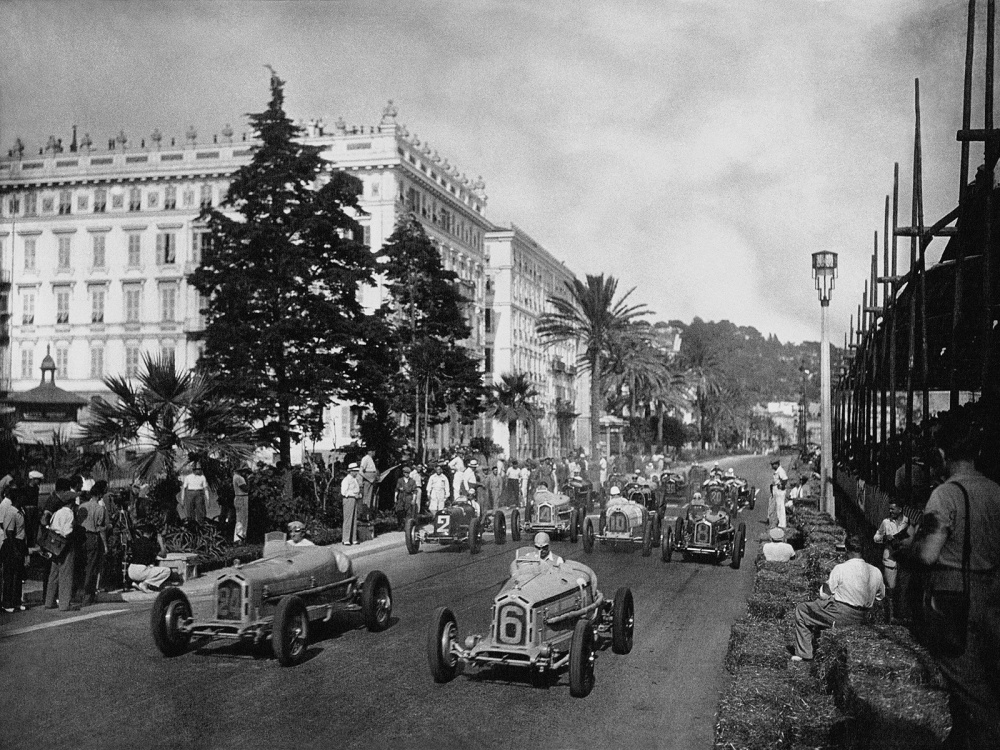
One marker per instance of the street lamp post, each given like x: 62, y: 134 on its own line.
x: 824, y: 268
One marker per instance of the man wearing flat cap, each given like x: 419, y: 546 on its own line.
x: 350, y: 492
x: 777, y: 550
x: 297, y: 535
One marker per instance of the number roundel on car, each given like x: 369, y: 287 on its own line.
x: 617, y: 523
x: 511, y: 625
x: 443, y: 523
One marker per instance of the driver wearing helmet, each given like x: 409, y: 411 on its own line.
x: 615, y: 495
x: 542, y: 545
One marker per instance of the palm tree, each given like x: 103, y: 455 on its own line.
x: 703, y: 369
x: 510, y: 401
x: 165, y: 420
x: 589, y: 315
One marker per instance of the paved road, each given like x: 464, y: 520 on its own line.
x: 99, y: 682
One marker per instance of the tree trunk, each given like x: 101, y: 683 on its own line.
x: 512, y: 431
x: 596, y: 393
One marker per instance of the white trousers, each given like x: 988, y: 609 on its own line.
x: 153, y: 575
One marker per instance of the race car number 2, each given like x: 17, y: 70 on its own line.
x: 443, y: 523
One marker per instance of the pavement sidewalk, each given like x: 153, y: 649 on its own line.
x: 203, y: 584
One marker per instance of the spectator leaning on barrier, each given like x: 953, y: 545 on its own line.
x: 959, y: 538
x: 852, y: 588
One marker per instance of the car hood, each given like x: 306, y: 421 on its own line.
x: 325, y: 564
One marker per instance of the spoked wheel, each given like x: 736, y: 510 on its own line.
x: 499, y: 528
x: 588, y: 536
x: 376, y: 601
x: 411, y: 535
x: 170, y: 610
x: 622, y: 621
x: 574, y: 525
x: 290, y: 634
x: 442, y: 634
x: 581, y: 660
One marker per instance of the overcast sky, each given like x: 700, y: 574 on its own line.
x: 699, y: 150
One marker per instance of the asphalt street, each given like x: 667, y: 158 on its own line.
x: 94, y: 679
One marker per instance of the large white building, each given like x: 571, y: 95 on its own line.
x: 523, y: 276
x: 96, y: 245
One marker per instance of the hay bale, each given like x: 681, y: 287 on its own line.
x: 886, y: 652
x: 753, y: 711
x: 757, y: 643
x: 797, y: 566
x: 892, y: 715
x: 814, y: 715
x: 823, y: 537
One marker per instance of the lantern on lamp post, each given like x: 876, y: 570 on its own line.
x: 824, y: 269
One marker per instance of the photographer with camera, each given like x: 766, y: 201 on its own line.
x: 891, y: 532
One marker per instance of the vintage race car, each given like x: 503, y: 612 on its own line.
x: 674, y: 488
x: 547, y: 617
x: 697, y: 475
x: 277, y: 597
x: 622, y: 522
x: 704, y: 531
x: 554, y: 514
x: 456, y: 523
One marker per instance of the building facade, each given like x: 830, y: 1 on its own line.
x: 522, y: 277
x: 96, y: 246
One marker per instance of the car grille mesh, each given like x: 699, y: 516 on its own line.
x: 703, y: 533
x: 544, y: 514
x: 229, y: 601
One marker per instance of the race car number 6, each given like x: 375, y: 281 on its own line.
x: 511, y: 624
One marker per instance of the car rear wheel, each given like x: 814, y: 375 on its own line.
x: 290, y: 633
x: 411, y: 535
x: 656, y: 528
x: 647, y: 538
x: 475, y: 538
x: 574, y: 525
x: 376, y: 601
x: 170, y: 610
x: 622, y: 621
x: 499, y: 527
x: 588, y: 536
x: 442, y: 634
x: 753, y: 499
x: 581, y: 660
x: 739, y: 546
x: 515, y: 525
x: 667, y: 545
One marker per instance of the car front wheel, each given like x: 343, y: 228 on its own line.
x: 376, y: 601
x: 515, y: 525
x: 588, y: 536
x: 499, y: 528
x: 739, y: 545
x: 667, y: 545
x: 411, y: 535
x: 475, y: 540
x: 623, y: 621
x: 574, y: 525
x: 442, y: 634
x: 647, y: 538
x: 290, y: 634
x: 581, y: 660
x: 170, y: 610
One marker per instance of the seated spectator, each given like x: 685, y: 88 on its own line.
x: 147, y: 548
x: 777, y: 550
x: 852, y: 589
x: 297, y: 535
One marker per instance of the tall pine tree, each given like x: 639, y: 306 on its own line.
x: 436, y: 373
x: 285, y: 328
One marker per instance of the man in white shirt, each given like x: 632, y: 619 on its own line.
x: 61, y: 573
x: 777, y: 550
x: 468, y: 484
x: 193, y: 491
x: 891, y: 532
x: 369, y: 479
x: 350, y: 493
x: 457, y: 467
x: 852, y: 589
x: 438, y: 489
x: 776, y: 505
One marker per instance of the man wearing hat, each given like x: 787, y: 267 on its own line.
x: 776, y: 504
x: 144, y: 569
x: 350, y: 492
x: 297, y: 535
x: 468, y: 483
x: 777, y: 550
